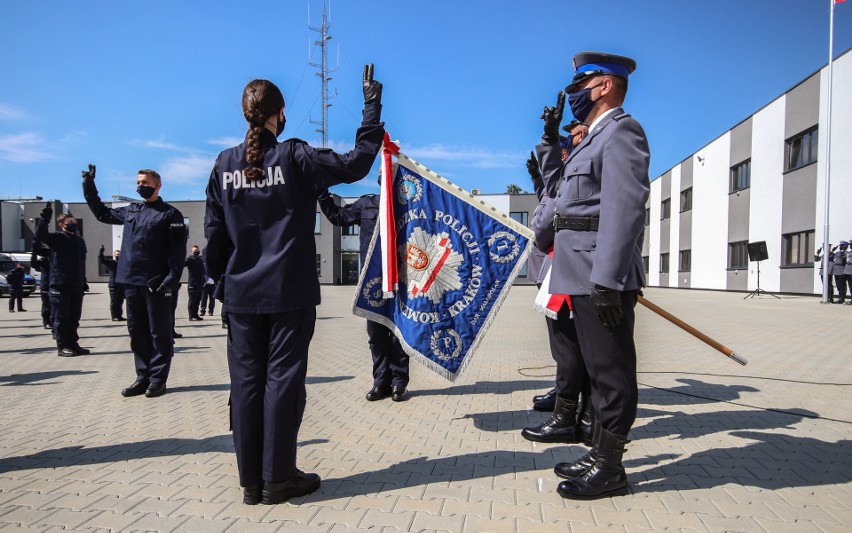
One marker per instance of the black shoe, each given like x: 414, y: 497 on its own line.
x: 546, y: 403
x: 155, y: 389
x: 176, y: 335
x: 399, y: 393
x: 22, y: 310
x: 549, y: 394
x: 606, y: 477
x: 560, y: 427
x: 251, y: 495
x: 67, y: 352
x: 195, y: 318
x: 584, y: 463
x: 224, y: 326
x: 138, y: 388
x: 378, y: 392
x: 210, y: 313
x: 12, y: 310
x: 119, y: 319
x: 82, y: 351
x: 201, y: 313
x: 48, y: 326
x: 299, y: 485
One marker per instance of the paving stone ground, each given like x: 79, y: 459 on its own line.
x: 716, y: 446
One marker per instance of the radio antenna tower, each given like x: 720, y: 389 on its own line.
x: 324, y: 71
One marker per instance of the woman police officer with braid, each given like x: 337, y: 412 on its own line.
x: 261, y: 209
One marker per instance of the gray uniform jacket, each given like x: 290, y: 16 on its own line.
x: 847, y: 269
x: 605, y: 176
x: 839, y: 262
x: 542, y: 226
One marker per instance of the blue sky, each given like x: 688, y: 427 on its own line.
x: 157, y: 84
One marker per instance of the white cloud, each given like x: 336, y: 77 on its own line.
x: 161, y: 145
x: 10, y: 112
x: 226, y: 142
x: 187, y: 170
x: 24, y: 148
x: 463, y: 156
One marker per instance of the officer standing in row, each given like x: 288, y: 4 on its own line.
x: 261, y: 209
x: 15, y: 280
x: 40, y: 260
x: 195, y: 285
x: 818, y: 260
x: 116, y: 291
x: 152, y: 254
x: 839, y: 272
x: 208, y: 301
x: 576, y: 131
x: 390, y: 362
x: 847, y: 271
x: 67, y: 279
x: 573, y: 388
x: 601, y: 190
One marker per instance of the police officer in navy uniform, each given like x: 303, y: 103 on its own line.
x: 152, y: 252
x: 261, y: 209
x: 40, y: 260
x: 573, y: 415
x: 390, y: 362
x: 67, y: 279
x: 840, y: 279
x: 208, y: 301
x: 601, y: 190
x: 15, y: 279
x: 116, y: 292
x: 195, y: 285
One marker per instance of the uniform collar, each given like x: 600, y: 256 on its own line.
x: 158, y: 201
x: 267, y: 138
x: 594, y: 128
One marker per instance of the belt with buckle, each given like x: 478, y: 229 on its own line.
x: 575, y: 223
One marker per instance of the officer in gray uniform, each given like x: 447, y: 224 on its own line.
x: 847, y: 271
x: 601, y: 190
x: 818, y: 260
x: 840, y: 265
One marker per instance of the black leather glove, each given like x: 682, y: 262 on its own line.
x: 533, y: 167
x: 323, y: 195
x: 607, y: 304
x: 372, y: 88
x: 47, y: 213
x: 101, y: 251
x: 553, y: 119
x: 90, y: 174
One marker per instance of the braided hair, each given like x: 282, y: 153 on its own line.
x: 261, y: 100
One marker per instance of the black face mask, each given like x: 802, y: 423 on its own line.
x: 581, y: 102
x: 196, y: 253
x: 145, y: 191
x: 280, y: 127
x: 71, y: 228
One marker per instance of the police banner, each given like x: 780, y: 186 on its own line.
x: 455, y: 257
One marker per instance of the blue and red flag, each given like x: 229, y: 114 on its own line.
x: 452, y: 257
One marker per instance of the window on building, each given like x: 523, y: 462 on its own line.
x: 801, y: 149
x: 798, y: 248
x: 666, y: 209
x: 319, y: 265
x: 522, y: 217
x: 350, y: 230
x: 741, y: 176
x: 317, y: 224
x: 738, y: 255
x: 646, y: 261
x: 686, y: 200
x: 647, y: 216
x: 685, y: 261
x: 664, y: 263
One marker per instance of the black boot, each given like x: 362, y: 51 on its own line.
x: 549, y: 394
x: 586, y: 422
x: 560, y: 427
x: 606, y: 477
x: 584, y: 463
x: 545, y: 402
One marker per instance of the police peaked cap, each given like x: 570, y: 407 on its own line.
x: 573, y: 124
x: 844, y: 243
x: 588, y: 64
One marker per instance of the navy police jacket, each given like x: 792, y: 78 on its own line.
x: 364, y: 211
x: 153, y: 243
x: 261, y: 233
x: 15, y: 279
x: 67, y: 257
x: 111, y: 265
x: 197, y: 274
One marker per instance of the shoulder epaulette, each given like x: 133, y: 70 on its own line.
x: 621, y: 116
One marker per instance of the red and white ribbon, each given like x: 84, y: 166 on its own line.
x: 387, y: 223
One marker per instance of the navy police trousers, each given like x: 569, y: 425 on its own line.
x: 149, y: 321
x: 390, y: 362
x: 67, y: 305
x: 268, y: 361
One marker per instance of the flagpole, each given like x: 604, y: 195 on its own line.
x: 825, y: 276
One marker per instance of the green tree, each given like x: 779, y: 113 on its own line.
x: 513, y: 189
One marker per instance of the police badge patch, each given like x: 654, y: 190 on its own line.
x: 457, y: 259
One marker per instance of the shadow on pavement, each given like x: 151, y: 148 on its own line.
x: 686, y: 393
x: 310, y: 380
x: 29, y: 379
x: 489, y: 387
x: 83, y: 456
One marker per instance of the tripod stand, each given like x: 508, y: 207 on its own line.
x: 758, y: 291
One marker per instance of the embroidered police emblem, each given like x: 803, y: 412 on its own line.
x: 409, y: 190
x: 372, y: 292
x: 446, y: 344
x: 503, y: 247
x: 431, y: 265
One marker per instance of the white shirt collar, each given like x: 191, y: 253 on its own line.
x: 600, y: 118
